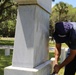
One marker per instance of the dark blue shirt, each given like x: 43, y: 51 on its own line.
x: 72, y: 37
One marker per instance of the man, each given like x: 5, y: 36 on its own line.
x: 65, y: 32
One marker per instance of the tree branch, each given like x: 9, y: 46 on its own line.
x: 8, y: 6
x: 3, y: 6
x: 4, y: 19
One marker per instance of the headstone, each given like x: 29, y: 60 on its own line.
x: 63, y: 54
x: 7, y: 51
x: 30, y: 56
x: 52, y: 64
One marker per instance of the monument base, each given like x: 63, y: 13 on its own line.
x: 43, y: 69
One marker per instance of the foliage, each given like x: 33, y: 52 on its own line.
x: 8, y: 12
x: 61, y: 8
x: 72, y: 13
x: 62, y: 12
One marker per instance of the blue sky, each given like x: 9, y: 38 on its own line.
x: 72, y: 2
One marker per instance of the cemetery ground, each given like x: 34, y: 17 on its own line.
x: 7, y: 60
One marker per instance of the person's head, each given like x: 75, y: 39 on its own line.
x: 62, y: 31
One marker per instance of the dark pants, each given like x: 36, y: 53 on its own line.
x: 70, y: 69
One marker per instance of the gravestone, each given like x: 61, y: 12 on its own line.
x: 30, y: 55
x: 63, y: 54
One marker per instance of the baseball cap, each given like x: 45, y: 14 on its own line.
x: 61, y: 33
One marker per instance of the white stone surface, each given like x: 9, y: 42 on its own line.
x: 42, y: 69
x: 31, y: 40
x: 46, y: 4
x: 30, y: 55
x: 52, y: 64
x: 63, y: 54
x: 7, y: 51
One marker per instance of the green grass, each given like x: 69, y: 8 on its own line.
x: 6, y: 41
x: 52, y: 44
x: 4, y: 61
x: 61, y: 72
x: 51, y: 54
x: 7, y: 60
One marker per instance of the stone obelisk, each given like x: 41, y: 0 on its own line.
x: 30, y: 55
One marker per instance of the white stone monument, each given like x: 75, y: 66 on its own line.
x: 63, y: 54
x: 30, y: 56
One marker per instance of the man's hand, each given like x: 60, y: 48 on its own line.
x: 56, y: 68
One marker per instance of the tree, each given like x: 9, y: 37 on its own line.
x: 72, y: 13
x: 8, y: 12
x: 62, y: 12
x: 62, y: 9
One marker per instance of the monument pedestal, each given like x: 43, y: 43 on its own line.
x: 43, y: 69
x: 30, y: 56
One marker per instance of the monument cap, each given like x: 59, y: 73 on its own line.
x: 45, y: 4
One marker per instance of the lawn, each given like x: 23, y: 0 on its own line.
x: 52, y: 44
x: 51, y: 54
x: 6, y: 41
x: 7, y: 60
x: 4, y: 61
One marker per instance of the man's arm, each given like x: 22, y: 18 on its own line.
x: 66, y: 61
x: 57, y: 52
